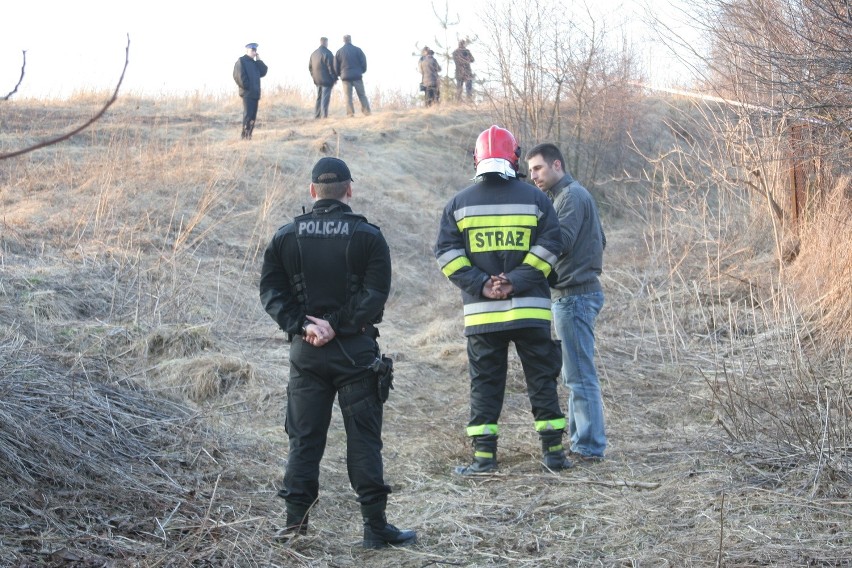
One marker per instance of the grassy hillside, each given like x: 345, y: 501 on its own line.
x: 143, y: 387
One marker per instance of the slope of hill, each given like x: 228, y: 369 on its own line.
x: 143, y: 387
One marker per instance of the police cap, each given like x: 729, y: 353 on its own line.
x: 330, y: 170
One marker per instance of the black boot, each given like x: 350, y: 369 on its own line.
x: 484, y: 456
x: 379, y: 533
x: 297, y: 520
x: 553, y: 452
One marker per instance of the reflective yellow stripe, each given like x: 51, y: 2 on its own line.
x: 538, y: 263
x: 555, y: 448
x: 482, y: 430
x: 481, y: 221
x: 451, y: 267
x: 510, y: 315
x: 492, y: 306
x: 552, y: 424
x: 481, y: 454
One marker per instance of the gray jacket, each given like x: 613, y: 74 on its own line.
x: 350, y: 63
x: 579, y: 266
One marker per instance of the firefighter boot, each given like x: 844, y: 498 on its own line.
x: 297, y: 520
x: 484, y: 456
x: 553, y: 453
x: 379, y: 533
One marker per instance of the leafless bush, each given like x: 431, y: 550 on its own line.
x: 769, y: 176
x: 559, y: 76
x: 784, y: 54
x: 717, y: 222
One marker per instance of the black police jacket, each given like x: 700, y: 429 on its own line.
x: 329, y: 263
x: 247, y: 74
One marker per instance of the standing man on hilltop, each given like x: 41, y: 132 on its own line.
x: 247, y: 73
x: 321, y: 67
x: 350, y: 64
x: 577, y: 297
x: 462, y: 57
x: 429, y: 76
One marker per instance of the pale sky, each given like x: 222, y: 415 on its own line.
x: 184, y: 46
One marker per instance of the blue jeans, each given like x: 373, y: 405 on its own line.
x: 574, y: 320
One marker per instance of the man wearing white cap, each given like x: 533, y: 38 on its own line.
x: 247, y: 73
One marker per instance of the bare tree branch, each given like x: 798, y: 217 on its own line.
x: 82, y: 127
x: 21, y: 80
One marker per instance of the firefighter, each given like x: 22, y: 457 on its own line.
x: 325, y: 280
x: 497, y: 242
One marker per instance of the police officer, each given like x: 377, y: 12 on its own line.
x: 247, y: 73
x: 497, y: 242
x: 325, y: 280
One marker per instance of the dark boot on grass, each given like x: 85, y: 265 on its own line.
x: 553, y: 452
x: 484, y: 456
x: 379, y: 533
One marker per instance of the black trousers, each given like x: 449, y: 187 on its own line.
x: 249, y: 115
x: 317, y: 375
x: 541, y: 359
x: 433, y: 95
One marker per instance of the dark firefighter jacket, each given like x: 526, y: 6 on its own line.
x: 500, y: 226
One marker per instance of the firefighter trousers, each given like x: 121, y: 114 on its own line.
x: 541, y: 359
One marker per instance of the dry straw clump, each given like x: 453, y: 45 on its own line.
x: 202, y: 378
x: 822, y: 271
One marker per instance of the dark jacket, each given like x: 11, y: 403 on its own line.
x: 321, y: 66
x: 500, y: 226
x: 578, y: 269
x: 329, y: 263
x: 247, y: 74
x: 462, y: 57
x: 429, y: 69
x: 350, y: 63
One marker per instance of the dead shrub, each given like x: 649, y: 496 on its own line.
x: 821, y: 277
x: 202, y: 378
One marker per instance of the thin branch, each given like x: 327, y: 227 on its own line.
x: 84, y: 126
x: 21, y: 80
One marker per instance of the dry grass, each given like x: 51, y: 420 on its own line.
x: 143, y: 387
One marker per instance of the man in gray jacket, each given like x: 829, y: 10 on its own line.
x: 321, y: 66
x: 577, y: 297
x: 350, y: 64
x: 247, y: 73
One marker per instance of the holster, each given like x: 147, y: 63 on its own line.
x: 383, y: 367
